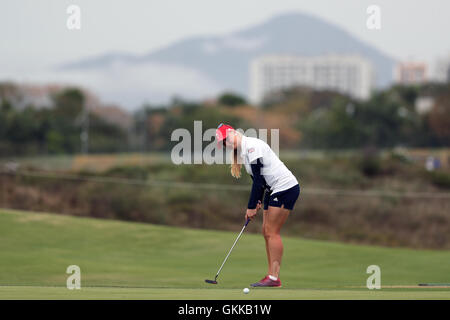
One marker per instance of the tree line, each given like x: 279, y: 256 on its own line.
x: 56, y: 128
x: 306, y: 119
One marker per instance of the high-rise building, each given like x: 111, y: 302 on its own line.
x: 410, y: 73
x: 348, y: 74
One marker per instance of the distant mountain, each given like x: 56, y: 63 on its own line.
x: 224, y: 60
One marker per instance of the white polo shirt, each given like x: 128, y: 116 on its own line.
x: 276, y: 174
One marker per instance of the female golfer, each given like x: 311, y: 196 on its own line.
x: 281, y: 188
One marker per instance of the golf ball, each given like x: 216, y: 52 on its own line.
x: 246, y: 290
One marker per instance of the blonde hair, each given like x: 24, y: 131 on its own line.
x: 236, y: 166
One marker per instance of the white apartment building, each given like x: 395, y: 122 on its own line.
x: 348, y: 74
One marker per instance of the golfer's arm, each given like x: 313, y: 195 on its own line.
x: 258, y: 184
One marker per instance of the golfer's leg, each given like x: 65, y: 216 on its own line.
x: 265, y: 238
x: 274, y: 220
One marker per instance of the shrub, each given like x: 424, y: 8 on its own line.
x: 440, y: 179
x: 370, y: 165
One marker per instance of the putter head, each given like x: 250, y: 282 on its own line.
x: 211, y: 281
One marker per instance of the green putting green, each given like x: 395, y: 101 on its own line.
x: 141, y: 261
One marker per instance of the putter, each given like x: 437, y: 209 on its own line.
x: 223, y: 263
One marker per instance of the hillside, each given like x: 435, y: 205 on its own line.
x: 222, y: 61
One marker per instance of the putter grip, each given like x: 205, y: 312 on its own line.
x: 246, y: 223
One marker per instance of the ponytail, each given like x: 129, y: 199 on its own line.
x: 235, y: 166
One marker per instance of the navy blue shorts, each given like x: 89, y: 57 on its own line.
x: 287, y: 198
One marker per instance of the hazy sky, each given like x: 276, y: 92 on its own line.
x: 34, y: 33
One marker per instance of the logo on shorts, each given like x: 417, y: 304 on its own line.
x: 275, y: 199
x: 251, y: 150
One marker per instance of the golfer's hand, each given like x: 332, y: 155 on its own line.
x: 250, y: 214
x: 258, y: 206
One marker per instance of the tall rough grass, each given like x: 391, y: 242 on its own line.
x: 383, y: 220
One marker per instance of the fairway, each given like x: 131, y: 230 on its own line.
x: 122, y: 260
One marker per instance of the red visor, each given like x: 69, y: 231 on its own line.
x: 221, y: 133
